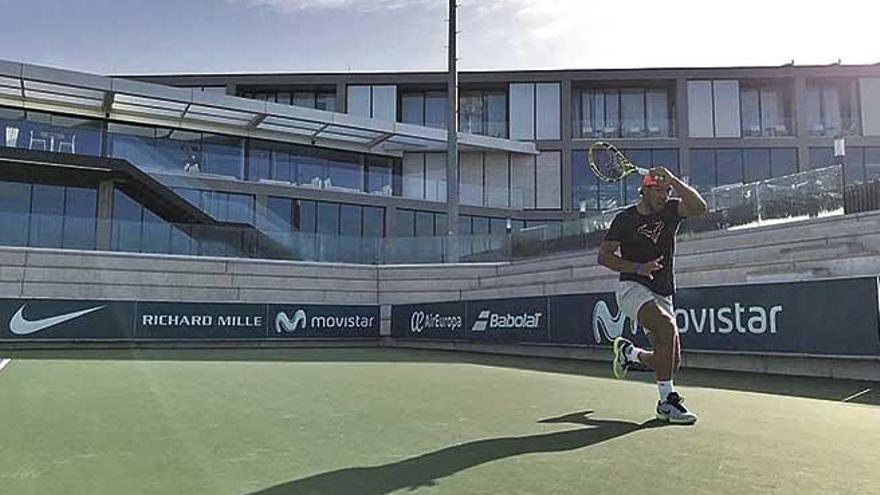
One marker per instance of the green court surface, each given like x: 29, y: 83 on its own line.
x: 378, y: 421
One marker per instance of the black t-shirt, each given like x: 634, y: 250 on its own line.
x: 645, y: 238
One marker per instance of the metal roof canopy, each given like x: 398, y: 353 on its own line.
x: 43, y: 88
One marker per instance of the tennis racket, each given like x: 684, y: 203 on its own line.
x: 609, y: 164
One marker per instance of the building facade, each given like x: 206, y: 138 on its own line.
x: 253, y: 149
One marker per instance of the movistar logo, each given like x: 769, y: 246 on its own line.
x: 605, y: 325
x: 285, y: 324
x: 19, y: 325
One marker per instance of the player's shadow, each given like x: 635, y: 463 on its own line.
x: 427, y: 469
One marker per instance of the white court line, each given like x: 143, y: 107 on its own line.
x: 851, y: 397
x: 4, y: 363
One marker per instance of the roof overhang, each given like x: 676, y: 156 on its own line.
x: 123, y: 100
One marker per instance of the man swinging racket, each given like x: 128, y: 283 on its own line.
x: 644, y: 234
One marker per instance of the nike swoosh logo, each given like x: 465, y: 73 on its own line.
x: 21, y: 326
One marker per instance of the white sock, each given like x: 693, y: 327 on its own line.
x: 666, y: 388
x: 633, y: 354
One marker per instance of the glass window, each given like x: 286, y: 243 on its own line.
x: 821, y: 157
x: 80, y: 214
x: 412, y: 108
x: 177, y: 151
x: 223, y: 155
x: 328, y: 218
x: 703, y: 176
x: 465, y: 226
x: 729, y: 166
x: 279, y: 213
x: 15, y: 205
x: 756, y: 163
x: 155, y: 233
x: 284, y: 167
x: 405, y: 223
x: 283, y: 98
x: 424, y: 223
x: 633, y: 182
x: 350, y: 220
x: 783, y: 161
x: 126, y: 223
x: 326, y: 101
x: 471, y: 112
x: 374, y: 221
x: 66, y: 134
x: 751, y: 112
x: 133, y: 143
x: 657, y: 113
x: 47, y: 218
x: 772, y: 112
x: 379, y: 176
x: 497, y: 226
x: 261, y: 155
x: 854, y: 166
x: 344, y: 173
x: 813, y: 109
x: 480, y: 225
x: 305, y: 216
x: 440, y: 224
x: 385, y: 103
x: 310, y: 170
x: 240, y: 208
x: 612, y: 114
x: 584, y: 182
x: 872, y: 163
x: 632, y: 106
x: 547, y: 111
x: 701, y: 120
x: 435, y: 110
x: 304, y: 99
x: 359, y: 100
x: 666, y: 158
x: 496, y: 114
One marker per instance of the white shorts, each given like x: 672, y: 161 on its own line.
x: 631, y: 296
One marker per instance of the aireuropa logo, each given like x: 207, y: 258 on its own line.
x: 506, y: 321
x: 301, y: 321
x: 420, y: 321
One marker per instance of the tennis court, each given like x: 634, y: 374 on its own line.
x: 379, y: 421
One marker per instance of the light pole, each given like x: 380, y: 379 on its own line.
x: 452, y: 139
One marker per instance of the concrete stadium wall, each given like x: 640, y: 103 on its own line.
x: 815, y: 249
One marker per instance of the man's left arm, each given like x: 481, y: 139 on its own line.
x: 691, y: 204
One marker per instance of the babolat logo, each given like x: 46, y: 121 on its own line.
x: 489, y: 320
x: 421, y: 321
x: 302, y: 321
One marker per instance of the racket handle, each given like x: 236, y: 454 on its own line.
x: 642, y: 171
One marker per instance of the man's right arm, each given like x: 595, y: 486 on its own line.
x: 608, y: 258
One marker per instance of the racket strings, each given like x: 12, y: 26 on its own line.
x: 607, y: 164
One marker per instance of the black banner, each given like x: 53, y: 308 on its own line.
x: 157, y: 320
x: 431, y: 321
x: 821, y: 317
x: 35, y: 319
x: 508, y: 320
x: 314, y: 321
x: 817, y: 317
x: 589, y: 319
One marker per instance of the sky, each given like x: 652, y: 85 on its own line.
x: 258, y: 36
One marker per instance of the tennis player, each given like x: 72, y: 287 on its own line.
x: 644, y: 235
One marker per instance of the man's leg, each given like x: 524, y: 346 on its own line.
x: 661, y: 325
x: 664, y: 359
